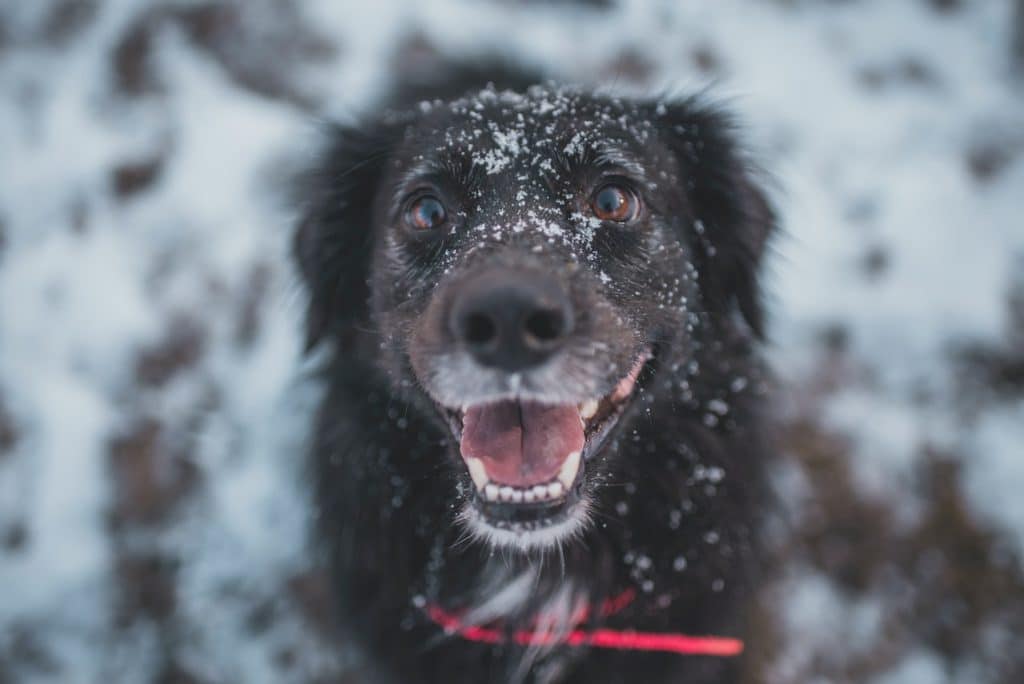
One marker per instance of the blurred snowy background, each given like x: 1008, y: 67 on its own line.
x: 153, y: 400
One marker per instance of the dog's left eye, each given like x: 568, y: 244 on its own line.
x: 426, y: 213
x: 613, y: 202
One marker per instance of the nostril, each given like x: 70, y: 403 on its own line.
x: 545, y: 325
x: 479, y: 329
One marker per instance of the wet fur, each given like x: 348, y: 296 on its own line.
x: 680, y: 478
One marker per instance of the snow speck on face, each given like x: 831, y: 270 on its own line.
x: 507, y: 146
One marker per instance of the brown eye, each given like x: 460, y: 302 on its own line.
x: 614, y: 203
x: 426, y: 213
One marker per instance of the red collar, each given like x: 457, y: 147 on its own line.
x: 629, y: 640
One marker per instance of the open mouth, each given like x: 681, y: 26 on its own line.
x: 527, y: 459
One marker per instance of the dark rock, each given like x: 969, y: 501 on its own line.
x: 180, y: 349
x: 132, y: 177
x: 150, y: 478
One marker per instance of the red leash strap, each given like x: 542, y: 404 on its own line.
x: 627, y: 640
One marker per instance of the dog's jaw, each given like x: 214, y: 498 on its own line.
x: 569, y: 526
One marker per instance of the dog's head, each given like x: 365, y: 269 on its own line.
x: 525, y: 266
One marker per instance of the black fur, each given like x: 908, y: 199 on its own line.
x: 678, y: 488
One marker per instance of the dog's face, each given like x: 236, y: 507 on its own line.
x: 535, y: 261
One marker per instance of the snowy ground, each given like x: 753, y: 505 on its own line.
x: 152, y: 401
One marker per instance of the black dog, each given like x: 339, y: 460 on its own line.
x: 540, y: 457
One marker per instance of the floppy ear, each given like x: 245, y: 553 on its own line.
x: 733, y: 218
x: 333, y: 239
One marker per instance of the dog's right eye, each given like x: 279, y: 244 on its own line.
x: 425, y: 213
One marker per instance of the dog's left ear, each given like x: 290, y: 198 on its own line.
x: 732, y: 217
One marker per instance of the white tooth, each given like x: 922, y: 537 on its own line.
x: 491, y: 492
x: 477, y: 472
x: 555, y: 489
x: 567, y: 475
x: 529, y: 496
x: 505, y: 493
x: 588, y: 409
x: 517, y: 496
x: 540, y: 492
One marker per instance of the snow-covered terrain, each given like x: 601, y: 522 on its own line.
x: 153, y: 400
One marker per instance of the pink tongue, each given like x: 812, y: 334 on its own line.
x: 521, y: 443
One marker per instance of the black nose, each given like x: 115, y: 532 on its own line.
x: 511, y: 319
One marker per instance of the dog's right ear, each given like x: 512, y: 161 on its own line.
x: 333, y: 239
